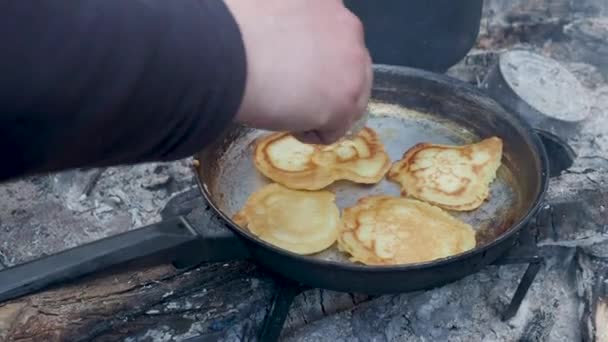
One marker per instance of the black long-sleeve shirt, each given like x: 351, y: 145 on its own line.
x: 108, y: 82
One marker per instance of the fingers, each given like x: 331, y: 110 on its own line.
x: 367, y: 86
x: 330, y: 136
x: 326, y: 137
x: 328, y: 86
x: 341, y: 124
x: 309, y: 137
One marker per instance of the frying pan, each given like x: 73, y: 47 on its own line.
x: 408, y: 106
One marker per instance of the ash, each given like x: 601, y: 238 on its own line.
x: 49, y: 213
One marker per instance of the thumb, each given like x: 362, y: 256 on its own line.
x: 309, y: 137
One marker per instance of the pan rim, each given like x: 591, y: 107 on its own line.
x: 509, y: 232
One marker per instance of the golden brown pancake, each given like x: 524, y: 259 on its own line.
x: 302, y: 222
x: 385, y: 230
x: 285, y: 160
x: 452, y: 177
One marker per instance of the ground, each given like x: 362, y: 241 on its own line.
x: 228, y: 301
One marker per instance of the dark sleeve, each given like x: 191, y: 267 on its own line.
x: 105, y: 82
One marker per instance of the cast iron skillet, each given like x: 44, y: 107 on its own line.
x: 409, y: 106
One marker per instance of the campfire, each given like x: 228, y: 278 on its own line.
x: 140, y: 253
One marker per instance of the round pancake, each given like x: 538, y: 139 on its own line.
x: 385, y: 230
x: 285, y: 160
x: 302, y: 222
x: 452, y: 177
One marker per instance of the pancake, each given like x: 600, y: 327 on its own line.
x: 452, y: 177
x: 302, y: 222
x: 385, y: 230
x: 285, y: 160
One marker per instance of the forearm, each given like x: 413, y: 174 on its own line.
x: 107, y: 82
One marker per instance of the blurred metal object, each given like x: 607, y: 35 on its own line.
x: 540, y: 90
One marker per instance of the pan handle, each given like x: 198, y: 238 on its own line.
x: 157, y: 241
x: 218, y: 243
x: 561, y: 155
x: 172, y: 240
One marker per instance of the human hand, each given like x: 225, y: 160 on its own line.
x: 309, y: 72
